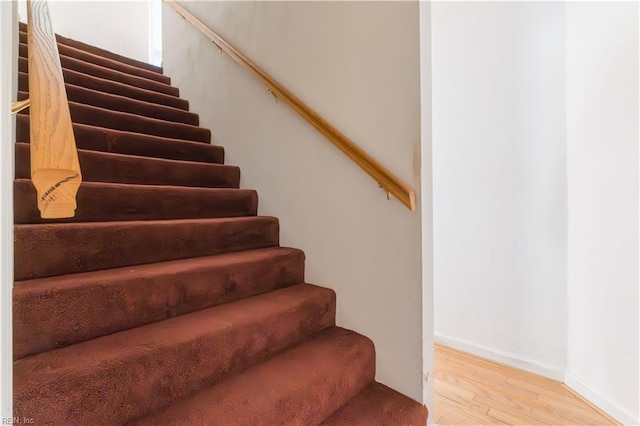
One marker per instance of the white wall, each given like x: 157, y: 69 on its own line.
x: 121, y: 27
x: 602, y: 145
x: 8, y: 88
x: 536, y: 190
x: 499, y: 181
x: 427, y: 197
x: 357, y: 64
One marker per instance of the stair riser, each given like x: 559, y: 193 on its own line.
x: 98, y: 60
x: 143, y: 379
x: 94, y: 116
x: 108, y: 86
x: 59, y: 311
x: 118, y: 142
x: 49, y: 250
x: 123, y: 104
x: 110, y: 74
x: 301, y: 387
x: 98, y: 51
x: 113, y: 168
x: 98, y: 202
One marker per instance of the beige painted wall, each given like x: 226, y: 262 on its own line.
x: 357, y: 64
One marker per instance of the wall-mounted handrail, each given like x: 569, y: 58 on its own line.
x: 55, y: 170
x: 387, y: 180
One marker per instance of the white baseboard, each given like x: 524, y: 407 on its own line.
x: 502, y: 357
x: 599, y: 401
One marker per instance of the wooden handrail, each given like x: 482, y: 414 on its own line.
x: 387, y: 180
x: 55, y: 170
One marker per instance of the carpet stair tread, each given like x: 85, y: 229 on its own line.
x: 72, y: 52
x: 305, y: 385
x: 111, y: 86
x: 136, y: 370
x: 85, y: 96
x: 99, y: 51
x: 379, y: 405
x: 74, y: 64
x: 44, y: 251
x: 116, y: 120
x: 58, y: 311
x: 99, y: 166
x: 93, y: 138
x: 102, y: 201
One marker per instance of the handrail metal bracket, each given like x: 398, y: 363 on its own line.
x: 17, y: 106
x: 273, y: 93
x: 217, y: 45
x: 386, y: 191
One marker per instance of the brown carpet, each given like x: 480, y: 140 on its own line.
x: 167, y: 300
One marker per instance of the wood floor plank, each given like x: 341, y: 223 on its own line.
x: 502, y: 370
x: 592, y: 406
x: 508, y: 386
x: 584, y: 417
x: 440, y: 356
x: 547, y: 418
x: 452, y: 390
x: 504, y: 404
x: 570, y: 404
x: 465, y: 399
x: 479, y: 369
x: 553, y: 391
x: 454, y: 413
x: 454, y: 365
x: 474, y: 391
x: 501, y: 394
x: 511, y: 418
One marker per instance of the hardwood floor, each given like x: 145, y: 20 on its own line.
x: 474, y: 391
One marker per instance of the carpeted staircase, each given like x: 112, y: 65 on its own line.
x: 167, y: 300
